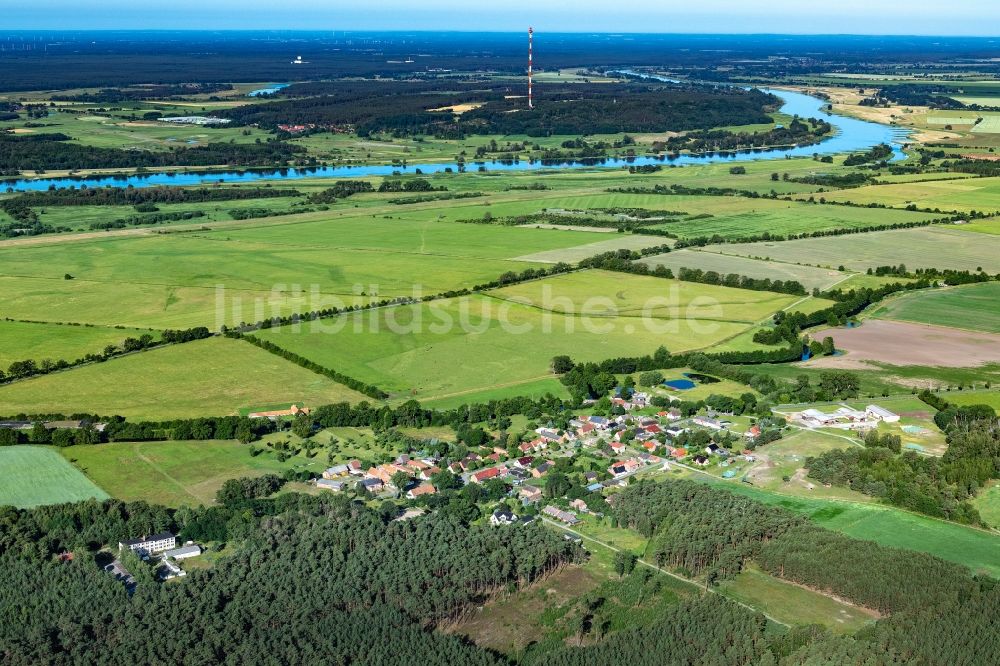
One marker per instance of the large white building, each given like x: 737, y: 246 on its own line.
x: 881, y: 414
x: 148, y: 545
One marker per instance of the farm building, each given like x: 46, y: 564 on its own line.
x: 881, y: 414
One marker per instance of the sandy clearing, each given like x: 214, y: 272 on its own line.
x: 23, y: 130
x: 459, y: 109
x: 904, y: 343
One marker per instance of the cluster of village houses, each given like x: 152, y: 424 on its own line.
x: 636, y: 441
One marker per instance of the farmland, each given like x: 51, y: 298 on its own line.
x: 35, y: 475
x: 929, y: 247
x: 247, y: 274
x: 175, y: 473
x: 204, y: 378
x: 975, y: 307
x: 509, y: 336
x: 982, y: 194
x: 20, y: 341
x: 808, y: 276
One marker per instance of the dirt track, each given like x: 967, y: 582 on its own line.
x: 903, y: 343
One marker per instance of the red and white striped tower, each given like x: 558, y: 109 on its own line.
x: 531, y: 99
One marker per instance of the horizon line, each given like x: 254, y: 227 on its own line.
x: 501, y: 32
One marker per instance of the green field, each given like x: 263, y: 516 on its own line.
x: 36, y: 475
x: 926, y: 247
x: 210, y: 377
x: 808, y: 276
x: 975, y: 307
x: 991, y: 398
x: 257, y: 271
x: 976, y: 549
x: 507, y: 338
x: 988, y: 504
x: 176, y: 473
x: 982, y: 194
x: 20, y: 341
x: 793, y: 604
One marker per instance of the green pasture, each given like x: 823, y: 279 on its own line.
x: 37, y: 475
x: 454, y: 347
x: 597, y: 293
x: 963, y: 195
x: 793, y: 604
x: 924, y: 247
x: 808, y: 276
x: 177, y: 473
x: 991, y: 398
x: 20, y: 341
x: 80, y: 218
x: 212, y: 377
x: 974, y: 306
x: 251, y: 273
x: 974, y: 548
x: 988, y: 504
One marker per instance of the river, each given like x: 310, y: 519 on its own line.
x: 850, y: 135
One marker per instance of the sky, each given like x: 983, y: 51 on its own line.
x: 881, y: 17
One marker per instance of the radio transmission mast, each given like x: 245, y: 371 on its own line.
x: 531, y: 99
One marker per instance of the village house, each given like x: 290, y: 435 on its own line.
x: 331, y: 484
x: 355, y: 467
x: 372, y: 485
x: 503, y: 517
x: 679, y: 452
x: 707, y: 422
x: 579, y: 505
x: 336, y: 472
x: 422, y: 489
x: 530, y: 493
x: 599, y: 422
x: 426, y: 474
x: 541, y: 470
x: 752, y: 433
x: 562, y: 516
x: 487, y: 474
x: 701, y: 461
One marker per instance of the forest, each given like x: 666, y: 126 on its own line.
x: 40, y: 152
x: 324, y: 579
x: 407, y: 108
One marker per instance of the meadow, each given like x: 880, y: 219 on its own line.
x: 888, y: 526
x: 212, y: 377
x: 808, y: 276
x: 925, y: 247
x: 36, y: 475
x: 246, y: 274
x: 975, y: 307
x: 176, y: 473
x: 506, y: 338
x: 20, y: 341
x: 982, y: 194
x: 794, y: 604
